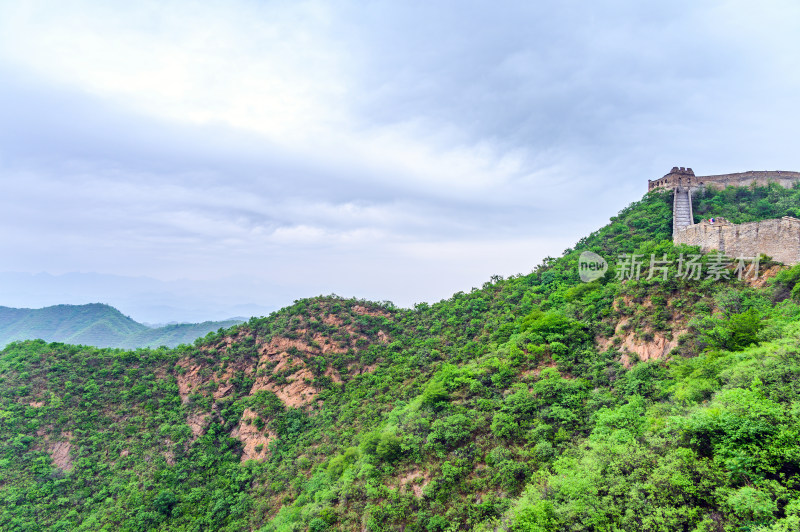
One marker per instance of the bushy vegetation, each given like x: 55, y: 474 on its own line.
x: 512, y: 407
x: 747, y: 204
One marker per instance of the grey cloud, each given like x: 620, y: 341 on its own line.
x: 592, y: 99
x: 588, y: 80
x: 88, y: 142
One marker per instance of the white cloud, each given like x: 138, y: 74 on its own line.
x: 278, y: 70
x: 260, y: 67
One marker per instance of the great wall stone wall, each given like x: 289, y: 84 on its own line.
x: 684, y: 177
x: 778, y: 238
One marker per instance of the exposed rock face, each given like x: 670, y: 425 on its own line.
x: 281, y: 364
x: 59, y: 450
x: 298, y: 390
x: 197, y: 422
x: 416, y: 479
x: 647, y: 342
x: 657, y: 348
x: 256, y: 442
x: 60, y: 455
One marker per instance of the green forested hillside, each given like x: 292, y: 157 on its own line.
x: 747, y: 204
x: 96, y: 325
x: 173, y: 335
x: 534, y: 403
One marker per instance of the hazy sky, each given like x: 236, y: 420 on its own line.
x: 195, y: 156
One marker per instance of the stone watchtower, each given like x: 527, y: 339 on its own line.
x: 680, y: 180
x: 677, y: 177
x: 779, y: 238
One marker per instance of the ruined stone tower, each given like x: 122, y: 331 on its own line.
x: 779, y: 238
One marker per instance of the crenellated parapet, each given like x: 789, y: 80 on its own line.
x: 684, y: 177
x: 677, y: 177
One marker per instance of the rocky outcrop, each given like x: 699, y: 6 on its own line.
x: 284, y: 364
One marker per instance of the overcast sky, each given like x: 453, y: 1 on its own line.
x: 193, y: 158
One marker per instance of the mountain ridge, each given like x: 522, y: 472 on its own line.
x: 95, y: 324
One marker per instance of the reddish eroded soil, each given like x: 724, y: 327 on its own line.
x: 657, y: 348
x: 197, y: 422
x: 275, y: 364
x: 255, y: 442
x: 58, y: 448
x: 764, y: 276
x: 416, y: 479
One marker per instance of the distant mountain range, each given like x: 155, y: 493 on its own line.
x: 97, y: 325
x: 149, y: 300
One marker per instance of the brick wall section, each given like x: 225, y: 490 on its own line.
x: 745, y: 179
x: 685, y: 177
x: 779, y: 238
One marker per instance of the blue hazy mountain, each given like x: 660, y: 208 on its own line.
x: 98, y: 325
